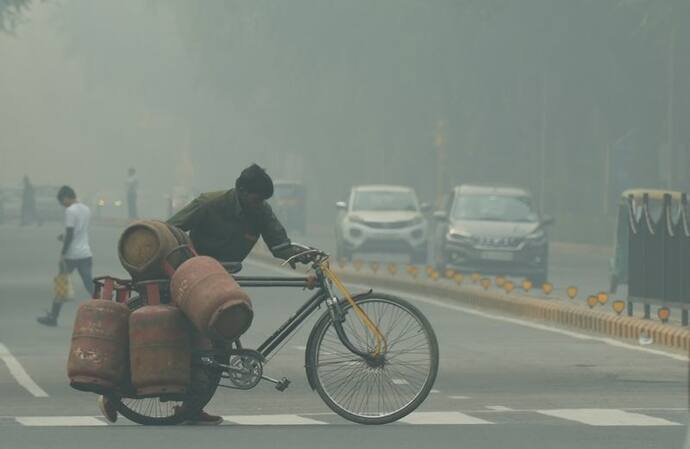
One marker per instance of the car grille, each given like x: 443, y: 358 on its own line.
x: 499, y: 242
x: 389, y: 225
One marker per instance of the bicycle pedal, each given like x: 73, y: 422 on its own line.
x: 283, y: 384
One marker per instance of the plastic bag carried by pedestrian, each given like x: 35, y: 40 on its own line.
x: 62, y: 288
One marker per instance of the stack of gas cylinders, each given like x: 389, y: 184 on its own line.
x: 136, y: 337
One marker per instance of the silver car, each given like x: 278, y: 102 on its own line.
x: 492, y: 229
x: 382, y: 219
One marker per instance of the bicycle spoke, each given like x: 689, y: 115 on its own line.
x: 370, y: 390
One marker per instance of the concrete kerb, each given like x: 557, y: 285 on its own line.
x: 564, y: 315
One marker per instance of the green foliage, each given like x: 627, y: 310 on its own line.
x: 11, y: 13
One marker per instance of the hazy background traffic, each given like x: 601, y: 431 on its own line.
x: 573, y: 100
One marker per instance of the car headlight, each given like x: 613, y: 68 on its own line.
x: 536, y: 236
x: 355, y: 219
x: 417, y: 220
x: 459, y: 234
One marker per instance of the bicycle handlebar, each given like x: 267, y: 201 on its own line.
x: 307, y: 256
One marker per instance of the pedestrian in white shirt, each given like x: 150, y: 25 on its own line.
x: 76, y: 252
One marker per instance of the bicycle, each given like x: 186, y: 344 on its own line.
x: 372, y: 358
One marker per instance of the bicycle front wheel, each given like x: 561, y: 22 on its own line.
x: 375, y: 393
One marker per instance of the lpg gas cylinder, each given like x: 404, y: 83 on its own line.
x: 211, y: 298
x: 143, y: 246
x: 160, y: 354
x: 98, y: 359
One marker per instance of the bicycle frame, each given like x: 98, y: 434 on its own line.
x: 323, y: 294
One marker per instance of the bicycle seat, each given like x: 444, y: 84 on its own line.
x: 232, y: 267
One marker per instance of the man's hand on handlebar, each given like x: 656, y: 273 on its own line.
x: 311, y: 281
x: 304, y: 259
x: 305, y: 255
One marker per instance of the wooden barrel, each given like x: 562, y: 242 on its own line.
x: 144, y: 245
x: 211, y: 299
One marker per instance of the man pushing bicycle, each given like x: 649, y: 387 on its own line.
x: 226, y: 225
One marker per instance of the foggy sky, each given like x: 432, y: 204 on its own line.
x: 337, y: 93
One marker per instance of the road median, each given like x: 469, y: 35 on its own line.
x: 521, y: 305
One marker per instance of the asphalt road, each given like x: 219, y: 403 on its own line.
x: 502, y: 383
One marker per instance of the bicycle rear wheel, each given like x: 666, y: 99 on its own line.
x: 363, y: 392
x: 160, y: 412
x: 153, y: 411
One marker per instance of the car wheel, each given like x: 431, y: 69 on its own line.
x: 613, y: 286
x: 539, y: 279
x: 419, y: 257
x: 341, y: 253
x: 439, y: 259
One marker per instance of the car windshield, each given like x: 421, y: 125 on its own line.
x: 493, y: 208
x: 384, y: 201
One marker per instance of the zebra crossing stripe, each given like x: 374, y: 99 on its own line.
x: 442, y: 418
x: 499, y: 408
x: 59, y: 421
x: 607, y: 417
x: 271, y: 420
x: 590, y: 417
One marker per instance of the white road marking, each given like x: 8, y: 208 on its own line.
x: 470, y: 311
x: 607, y: 417
x: 20, y: 375
x: 434, y: 391
x: 499, y: 408
x: 59, y: 421
x: 400, y: 382
x: 459, y: 397
x: 271, y: 420
x: 301, y: 348
x: 442, y: 418
x: 592, y: 417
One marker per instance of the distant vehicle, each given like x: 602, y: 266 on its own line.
x: 47, y: 206
x: 493, y: 230
x: 108, y: 205
x: 10, y: 204
x: 178, y: 198
x: 383, y: 219
x: 289, y: 203
x: 618, y: 268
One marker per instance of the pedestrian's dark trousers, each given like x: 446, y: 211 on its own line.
x: 83, y: 267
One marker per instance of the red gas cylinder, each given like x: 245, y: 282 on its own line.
x: 98, y: 359
x: 160, y: 354
x: 211, y: 298
x: 144, y: 245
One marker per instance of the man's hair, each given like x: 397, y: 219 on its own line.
x: 254, y: 179
x: 65, y: 192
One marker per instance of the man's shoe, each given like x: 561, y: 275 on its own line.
x: 48, y: 320
x: 204, y: 419
x: 107, y: 408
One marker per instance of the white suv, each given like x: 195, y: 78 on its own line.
x: 382, y: 219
